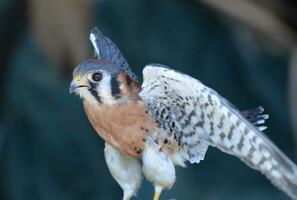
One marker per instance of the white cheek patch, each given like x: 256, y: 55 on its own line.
x: 104, y: 90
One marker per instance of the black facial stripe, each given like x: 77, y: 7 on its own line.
x: 128, y: 80
x: 94, y: 91
x: 115, y: 87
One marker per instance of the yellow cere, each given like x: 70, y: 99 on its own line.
x: 77, y: 78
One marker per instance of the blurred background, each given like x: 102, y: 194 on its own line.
x: 244, y: 49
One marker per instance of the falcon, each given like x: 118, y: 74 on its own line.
x: 169, y: 120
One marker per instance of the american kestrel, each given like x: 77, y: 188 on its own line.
x: 167, y: 121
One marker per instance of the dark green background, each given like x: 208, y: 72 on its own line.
x: 49, y: 151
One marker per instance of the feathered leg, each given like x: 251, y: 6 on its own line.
x: 157, y: 168
x: 124, y: 169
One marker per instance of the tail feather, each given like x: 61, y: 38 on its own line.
x: 256, y: 117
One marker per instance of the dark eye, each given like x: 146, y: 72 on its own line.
x: 97, y: 76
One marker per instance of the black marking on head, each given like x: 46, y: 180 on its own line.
x: 115, y: 87
x: 94, y: 92
x: 128, y: 81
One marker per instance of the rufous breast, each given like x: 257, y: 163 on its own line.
x: 124, y: 126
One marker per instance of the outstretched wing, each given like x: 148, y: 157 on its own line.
x: 198, y: 116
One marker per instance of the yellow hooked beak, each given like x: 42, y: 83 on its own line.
x: 75, y: 84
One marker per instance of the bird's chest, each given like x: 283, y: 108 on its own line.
x: 123, y: 126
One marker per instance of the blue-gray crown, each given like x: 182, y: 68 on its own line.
x: 107, y: 50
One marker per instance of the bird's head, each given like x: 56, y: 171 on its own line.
x: 102, y: 82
